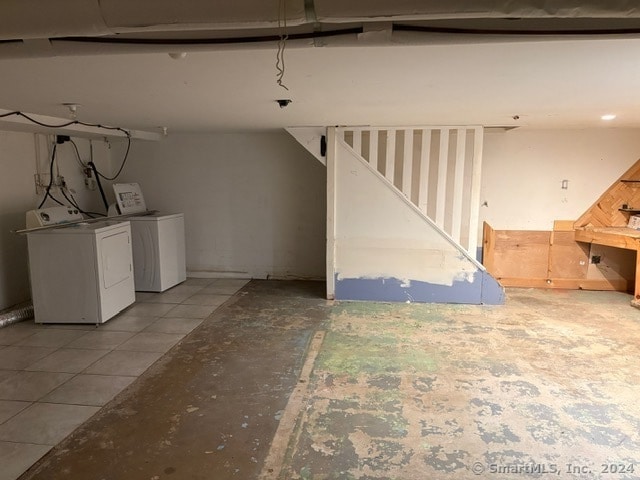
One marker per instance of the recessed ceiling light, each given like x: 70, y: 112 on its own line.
x: 608, y: 116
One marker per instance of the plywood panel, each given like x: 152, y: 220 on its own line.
x: 519, y: 253
x: 563, y: 225
x: 567, y: 258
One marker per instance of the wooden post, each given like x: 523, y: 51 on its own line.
x: 331, y: 212
x: 636, y: 293
x: 373, y: 149
x: 442, y: 177
x: 407, y: 164
x: 474, y: 198
x: 423, y: 191
x: 458, y: 187
x: 357, y: 141
x: 489, y: 245
x: 390, y: 164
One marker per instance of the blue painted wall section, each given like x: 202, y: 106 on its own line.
x: 483, y: 290
x: 492, y: 291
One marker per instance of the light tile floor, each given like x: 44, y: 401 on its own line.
x: 54, y: 377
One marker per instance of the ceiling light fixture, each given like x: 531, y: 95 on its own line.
x: 178, y: 55
x: 608, y: 117
x: 73, y: 109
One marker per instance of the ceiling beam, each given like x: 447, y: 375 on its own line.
x: 31, y: 122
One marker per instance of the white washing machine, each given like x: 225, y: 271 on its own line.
x: 158, y: 251
x: 81, y: 273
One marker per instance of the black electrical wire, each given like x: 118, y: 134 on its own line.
x: 516, y: 31
x: 62, y: 125
x: 209, y: 41
x: 124, y: 161
x: 78, y: 154
x: 71, y: 200
x: 74, y: 203
x: 47, y: 192
x: 78, y: 122
x: 104, y: 197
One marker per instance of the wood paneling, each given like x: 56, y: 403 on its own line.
x: 544, y: 259
x: 604, y: 212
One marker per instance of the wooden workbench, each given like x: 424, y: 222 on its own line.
x: 620, y: 237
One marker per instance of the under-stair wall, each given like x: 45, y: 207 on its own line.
x: 381, y: 245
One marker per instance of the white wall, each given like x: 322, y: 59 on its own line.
x: 254, y: 203
x: 17, y: 195
x: 523, y: 172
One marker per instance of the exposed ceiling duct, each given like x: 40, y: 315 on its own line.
x: 24, y: 19
x: 37, y: 19
x: 395, y: 10
x: 452, y: 62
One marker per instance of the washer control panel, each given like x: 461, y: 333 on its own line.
x: 44, y: 217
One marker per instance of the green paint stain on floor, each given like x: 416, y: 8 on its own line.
x: 353, y: 355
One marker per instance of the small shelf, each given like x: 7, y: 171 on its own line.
x: 629, y: 210
x: 630, y: 181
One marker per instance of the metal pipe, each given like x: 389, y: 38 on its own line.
x: 18, y: 313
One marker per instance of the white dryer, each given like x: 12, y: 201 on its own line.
x: 158, y: 251
x: 81, y: 273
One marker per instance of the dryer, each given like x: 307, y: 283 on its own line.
x: 81, y: 273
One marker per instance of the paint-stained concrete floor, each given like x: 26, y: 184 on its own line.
x: 545, y: 386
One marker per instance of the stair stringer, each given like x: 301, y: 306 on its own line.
x: 386, y: 249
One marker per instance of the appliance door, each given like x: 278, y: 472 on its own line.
x: 116, y: 272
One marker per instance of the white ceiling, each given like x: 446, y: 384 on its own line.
x: 372, y: 78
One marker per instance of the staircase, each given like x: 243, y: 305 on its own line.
x: 402, y: 215
x: 436, y: 169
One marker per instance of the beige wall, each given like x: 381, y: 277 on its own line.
x: 254, y: 203
x: 523, y: 171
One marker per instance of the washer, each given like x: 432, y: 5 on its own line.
x: 158, y: 251
x: 158, y: 241
x: 81, y: 273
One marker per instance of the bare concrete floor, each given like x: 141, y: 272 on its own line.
x: 281, y: 384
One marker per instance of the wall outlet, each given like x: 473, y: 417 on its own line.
x: 42, y: 182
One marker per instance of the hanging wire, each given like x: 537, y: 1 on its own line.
x: 282, y: 43
x: 47, y: 192
x: 78, y: 158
